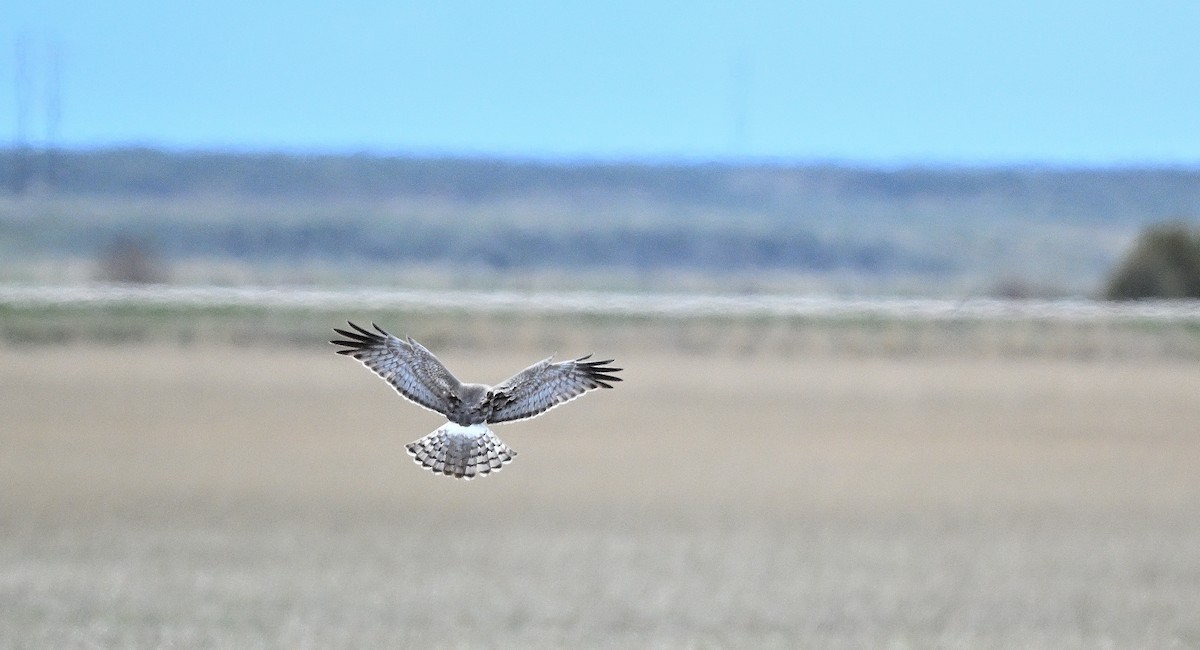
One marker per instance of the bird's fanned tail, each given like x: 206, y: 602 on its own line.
x: 461, y: 451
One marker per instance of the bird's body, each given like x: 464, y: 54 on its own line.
x: 465, y: 447
x: 472, y: 405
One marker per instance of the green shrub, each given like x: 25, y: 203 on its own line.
x: 1164, y: 263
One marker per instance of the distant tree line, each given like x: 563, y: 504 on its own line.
x: 1093, y: 193
x: 138, y: 210
x: 506, y: 246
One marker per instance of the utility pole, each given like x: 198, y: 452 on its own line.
x: 22, y: 171
x: 739, y: 103
x: 53, y: 111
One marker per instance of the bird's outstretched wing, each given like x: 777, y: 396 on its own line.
x: 411, y: 369
x: 545, y: 385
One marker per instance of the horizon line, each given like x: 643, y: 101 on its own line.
x: 604, y: 160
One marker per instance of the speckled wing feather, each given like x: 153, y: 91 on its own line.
x: 545, y: 385
x: 411, y: 369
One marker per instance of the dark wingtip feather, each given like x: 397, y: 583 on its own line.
x: 356, y: 339
x: 353, y: 336
x: 599, y: 372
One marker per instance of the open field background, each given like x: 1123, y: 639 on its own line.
x: 790, y: 463
x: 209, y: 495
x: 773, y: 324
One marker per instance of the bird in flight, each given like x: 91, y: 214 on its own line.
x: 465, y: 447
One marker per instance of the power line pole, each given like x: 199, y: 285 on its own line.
x: 22, y: 171
x: 53, y: 111
x: 739, y: 104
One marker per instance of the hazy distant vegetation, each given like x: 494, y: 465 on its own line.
x: 1020, y: 230
x: 1164, y: 263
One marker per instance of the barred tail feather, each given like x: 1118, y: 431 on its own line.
x: 461, y: 451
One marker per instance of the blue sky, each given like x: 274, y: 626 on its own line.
x: 1069, y: 82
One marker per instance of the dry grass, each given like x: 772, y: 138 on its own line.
x: 215, y: 497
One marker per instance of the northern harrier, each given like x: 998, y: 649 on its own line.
x: 464, y: 447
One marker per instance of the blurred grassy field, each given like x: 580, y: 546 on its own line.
x: 902, y: 334
x: 217, y: 496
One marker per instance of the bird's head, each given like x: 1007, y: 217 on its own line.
x: 474, y: 393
